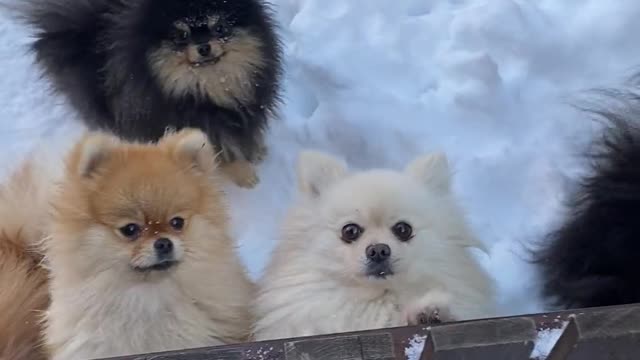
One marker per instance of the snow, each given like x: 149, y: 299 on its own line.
x: 414, y: 350
x: 545, y: 342
x: 379, y: 82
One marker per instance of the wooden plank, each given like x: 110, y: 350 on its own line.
x: 265, y: 351
x: 377, y: 346
x: 612, y: 334
x: 603, y: 334
x: 248, y: 351
x: 198, y: 354
x: 335, y: 348
x: 407, y: 340
x: 508, y: 339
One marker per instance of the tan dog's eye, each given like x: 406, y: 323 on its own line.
x: 177, y: 223
x: 131, y: 231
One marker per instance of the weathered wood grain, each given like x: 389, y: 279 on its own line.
x: 608, y: 333
x: 343, y: 347
x: 377, y: 346
x: 509, y: 338
x: 611, y: 333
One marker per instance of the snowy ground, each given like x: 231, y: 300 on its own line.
x: 381, y: 81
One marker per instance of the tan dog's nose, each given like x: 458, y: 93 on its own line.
x: 163, y: 247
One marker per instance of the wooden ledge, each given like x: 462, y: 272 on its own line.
x: 609, y: 333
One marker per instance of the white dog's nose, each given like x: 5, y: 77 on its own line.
x: 378, y: 253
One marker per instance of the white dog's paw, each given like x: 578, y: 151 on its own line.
x: 431, y: 309
x: 431, y: 315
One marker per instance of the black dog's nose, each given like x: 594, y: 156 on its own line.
x: 204, y: 49
x: 378, y: 252
x: 163, y: 246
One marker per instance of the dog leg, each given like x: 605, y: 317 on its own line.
x: 241, y: 172
x: 433, y: 308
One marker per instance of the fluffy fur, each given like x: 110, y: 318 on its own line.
x: 128, y: 66
x: 117, y: 286
x: 317, y: 283
x: 23, y: 281
x: 591, y: 258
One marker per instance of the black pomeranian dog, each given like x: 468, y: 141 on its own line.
x: 593, y: 258
x: 138, y: 67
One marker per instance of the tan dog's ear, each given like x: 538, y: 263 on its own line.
x: 432, y: 170
x: 90, y: 153
x: 191, y: 147
x: 317, y: 171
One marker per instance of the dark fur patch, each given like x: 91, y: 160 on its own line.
x: 592, y: 258
x: 96, y: 52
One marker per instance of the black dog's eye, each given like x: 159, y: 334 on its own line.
x: 132, y: 231
x: 222, y: 30
x: 181, y: 36
x: 402, y: 231
x: 351, y: 232
x: 177, y: 223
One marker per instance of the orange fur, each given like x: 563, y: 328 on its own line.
x: 23, y: 295
x: 95, y: 289
x: 23, y: 282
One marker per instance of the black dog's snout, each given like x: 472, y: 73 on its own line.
x: 204, y: 49
x: 163, y: 246
x: 378, y: 253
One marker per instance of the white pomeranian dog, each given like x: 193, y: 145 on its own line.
x: 371, y: 249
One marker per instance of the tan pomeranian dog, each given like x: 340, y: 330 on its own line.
x: 371, y: 249
x: 139, y: 252
x: 24, y: 292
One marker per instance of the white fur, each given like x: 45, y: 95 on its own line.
x: 316, y: 171
x: 315, y: 282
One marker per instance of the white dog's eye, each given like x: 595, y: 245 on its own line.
x: 402, y: 231
x: 351, y: 232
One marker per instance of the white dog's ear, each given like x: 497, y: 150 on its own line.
x: 431, y: 170
x: 317, y: 171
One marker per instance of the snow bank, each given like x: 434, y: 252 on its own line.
x: 380, y: 81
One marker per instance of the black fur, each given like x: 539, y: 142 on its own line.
x: 593, y: 258
x: 95, y: 52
